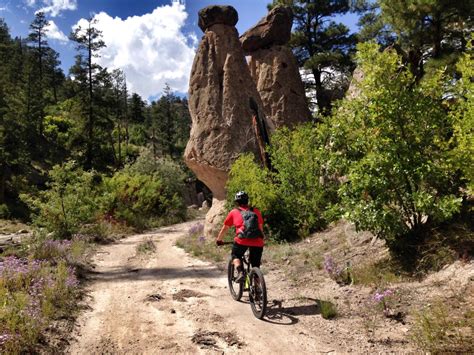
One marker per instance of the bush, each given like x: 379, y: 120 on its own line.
x: 146, y: 193
x: 463, y: 118
x: 4, y: 211
x: 71, y: 200
x: 247, y: 175
x: 305, y: 176
x: 393, y: 140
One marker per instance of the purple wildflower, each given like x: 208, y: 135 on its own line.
x: 380, y: 296
x: 196, y: 229
x: 5, y: 337
x: 331, y: 267
x: 71, y: 280
x: 202, y: 238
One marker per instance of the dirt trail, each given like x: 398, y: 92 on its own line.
x: 190, y: 309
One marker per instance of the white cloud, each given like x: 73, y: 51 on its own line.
x: 55, y: 33
x: 151, y: 49
x: 54, y: 7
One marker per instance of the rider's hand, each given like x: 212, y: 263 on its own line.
x: 219, y: 242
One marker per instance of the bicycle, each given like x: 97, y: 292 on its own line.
x: 253, y: 282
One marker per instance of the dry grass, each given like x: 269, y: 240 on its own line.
x: 8, y: 226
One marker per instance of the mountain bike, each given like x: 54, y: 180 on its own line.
x: 253, y: 282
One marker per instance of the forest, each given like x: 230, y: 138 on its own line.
x: 390, y: 148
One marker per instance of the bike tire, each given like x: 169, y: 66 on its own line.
x: 236, y: 288
x: 257, y: 293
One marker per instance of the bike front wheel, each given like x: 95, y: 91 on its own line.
x: 236, y: 288
x: 257, y: 293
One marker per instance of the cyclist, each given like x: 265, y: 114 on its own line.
x: 240, y: 246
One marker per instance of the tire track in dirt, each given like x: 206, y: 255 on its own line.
x: 169, y: 302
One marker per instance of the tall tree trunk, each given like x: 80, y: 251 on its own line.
x: 119, y: 144
x: 3, y: 183
x: 90, y: 128
x: 323, y: 101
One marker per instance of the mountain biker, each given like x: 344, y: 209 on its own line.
x: 240, y: 246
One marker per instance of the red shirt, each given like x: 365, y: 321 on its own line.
x: 234, y: 218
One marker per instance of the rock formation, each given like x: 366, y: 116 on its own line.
x: 220, y: 89
x: 274, y: 68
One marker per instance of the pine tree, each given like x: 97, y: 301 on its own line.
x: 89, y: 41
x: 322, y: 46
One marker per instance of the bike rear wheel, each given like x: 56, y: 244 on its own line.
x: 236, y: 288
x: 257, y: 293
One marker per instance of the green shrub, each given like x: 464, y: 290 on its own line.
x: 328, y: 309
x: 4, y: 211
x: 305, y: 176
x: 393, y: 141
x: 72, y: 199
x: 142, y: 200
x: 463, y: 118
x: 247, y: 175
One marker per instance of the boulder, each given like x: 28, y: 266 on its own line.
x: 214, y: 14
x: 357, y: 77
x: 276, y: 74
x: 215, y: 218
x: 275, y: 69
x: 273, y: 29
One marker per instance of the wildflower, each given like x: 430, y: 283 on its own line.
x: 331, y: 268
x: 196, y: 229
x: 202, y: 238
x: 5, y: 337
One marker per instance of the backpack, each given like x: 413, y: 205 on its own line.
x: 250, y: 229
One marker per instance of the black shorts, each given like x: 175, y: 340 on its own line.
x: 238, y: 252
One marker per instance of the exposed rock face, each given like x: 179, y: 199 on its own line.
x: 273, y: 29
x: 275, y: 70
x: 213, y: 15
x: 357, y: 77
x: 219, y: 93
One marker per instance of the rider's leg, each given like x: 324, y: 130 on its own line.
x: 255, y: 256
x: 238, y: 252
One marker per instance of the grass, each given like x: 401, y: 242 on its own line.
x: 377, y: 274
x: 201, y: 247
x: 8, y: 226
x: 328, y: 309
x: 146, y: 247
x: 37, y: 287
x: 441, y: 328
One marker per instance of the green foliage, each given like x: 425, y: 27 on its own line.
x: 328, y: 309
x: 463, y: 118
x: 72, y: 199
x: 146, y: 193
x: 394, y: 143
x: 247, y: 175
x: 305, y: 176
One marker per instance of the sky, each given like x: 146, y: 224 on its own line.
x: 152, y: 41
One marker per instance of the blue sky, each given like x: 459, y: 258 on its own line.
x: 152, y: 41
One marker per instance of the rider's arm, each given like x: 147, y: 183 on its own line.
x: 222, y: 232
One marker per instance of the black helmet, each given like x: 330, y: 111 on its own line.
x: 241, y: 198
